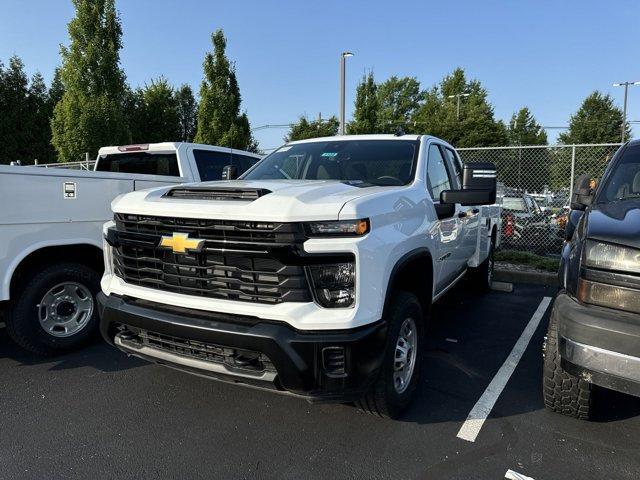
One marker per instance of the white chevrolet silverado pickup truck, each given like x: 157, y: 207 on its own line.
x: 313, y: 274
x: 51, y: 233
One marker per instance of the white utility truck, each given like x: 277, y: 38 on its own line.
x: 51, y: 233
x: 313, y: 274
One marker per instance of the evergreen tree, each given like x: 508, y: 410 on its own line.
x: 38, y: 126
x: 187, y: 111
x: 473, y: 125
x: 14, y: 112
x: 219, y: 119
x: 597, y: 120
x: 56, y: 90
x: 524, y: 130
x: 524, y: 168
x: 365, y: 115
x: 398, y: 101
x: 156, y: 118
x: 90, y: 113
x: 312, y: 129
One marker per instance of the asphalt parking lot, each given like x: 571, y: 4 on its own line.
x: 98, y: 414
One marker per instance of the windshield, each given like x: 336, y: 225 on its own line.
x: 624, y: 181
x: 374, y: 162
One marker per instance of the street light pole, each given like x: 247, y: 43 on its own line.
x: 458, y: 96
x: 343, y: 57
x: 624, y: 108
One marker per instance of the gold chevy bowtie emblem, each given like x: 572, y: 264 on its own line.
x: 180, y: 243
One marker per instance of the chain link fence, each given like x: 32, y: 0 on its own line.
x: 534, y: 187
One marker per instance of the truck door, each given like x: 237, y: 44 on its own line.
x: 449, y: 257
x: 470, y: 214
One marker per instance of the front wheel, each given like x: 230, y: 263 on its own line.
x: 56, y: 310
x: 482, y: 275
x: 398, y: 378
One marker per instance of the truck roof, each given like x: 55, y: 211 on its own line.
x: 166, y: 146
x: 339, y: 138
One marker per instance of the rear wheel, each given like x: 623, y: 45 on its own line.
x: 563, y: 392
x: 56, y: 310
x: 398, y: 378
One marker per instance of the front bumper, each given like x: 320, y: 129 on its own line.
x: 600, y: 345
x: 329, y: 366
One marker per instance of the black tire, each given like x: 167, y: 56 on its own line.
x: 23, y: 324
x: 563, y: 392
x: 482, y: 275
x: 383, y: 399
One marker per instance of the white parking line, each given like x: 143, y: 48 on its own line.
x: 481, y: 410
x: 511, y: 475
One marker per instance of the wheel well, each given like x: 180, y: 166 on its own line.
x: 414, y: 275
x: 85, y: 254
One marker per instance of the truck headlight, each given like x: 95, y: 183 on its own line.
x: 607, y: 256
x: 333, y: 285
x: 339, y: 228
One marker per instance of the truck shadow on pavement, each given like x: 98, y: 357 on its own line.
x: 96, y: 355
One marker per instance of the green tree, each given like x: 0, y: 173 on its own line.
x: 473, y: 126
x: 14, y: 116
x: 187, y: 111
x: 597, y: 120
x: 219, y: 119
x: 38, y: 124
x: 524, y: 130
x: 398, y: 101
x: 365, y: 115
x: 156, y: 117
x: 56, y: 90
x: 312, y: 129
x: 524, y: 168
x: 90, y: 113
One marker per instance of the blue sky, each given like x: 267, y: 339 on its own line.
x: 547, y: 55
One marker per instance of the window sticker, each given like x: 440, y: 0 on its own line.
x: 329, y: 154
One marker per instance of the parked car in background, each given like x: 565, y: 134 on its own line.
x: 526, y: 227
x: 594, y: 330
x: 51, y: 233
x: 313, y: 274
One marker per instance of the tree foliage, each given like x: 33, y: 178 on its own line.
x: 523, y: 129
x: 398, y: 101
x: 187, y: 110
x: 90, y: 113
x: 475, y: 126
x: 219, y: 119
x: 155, y: 117
x: 25, y: 109
x: 304, y: 128
x: 365, y: 115
x: 597, y: 120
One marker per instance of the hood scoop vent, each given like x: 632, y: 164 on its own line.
x: 211, y: 193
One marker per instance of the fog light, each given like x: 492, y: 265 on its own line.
x: 334, y: 285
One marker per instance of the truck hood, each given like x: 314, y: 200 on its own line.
x: 615, y: 222
x: 281, y: 200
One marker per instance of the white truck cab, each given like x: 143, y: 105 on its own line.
x: 51, y: 232
x: 312, y: 274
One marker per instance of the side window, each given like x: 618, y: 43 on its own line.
x: 456, y: 164
x: 243, y: 162
x: 437, y: 174
x: 165, y: 164
x: 210, y: 163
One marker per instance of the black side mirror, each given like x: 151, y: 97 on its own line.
x: 582, y: 193
x: 230, y: 172
x: 478, y: 186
